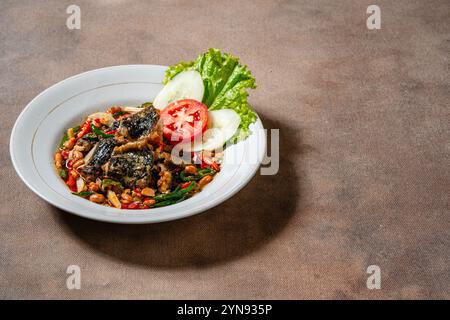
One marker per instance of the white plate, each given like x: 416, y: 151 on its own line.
x: 41, y: 124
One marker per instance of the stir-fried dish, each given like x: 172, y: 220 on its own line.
x: 160, y: 153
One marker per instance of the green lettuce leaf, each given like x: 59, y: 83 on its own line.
x: 176, y: 69
x: 226, y: 82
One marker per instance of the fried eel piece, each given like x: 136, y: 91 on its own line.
x: 102, y: 153
x: 133, y: 168
x: 140, y: 124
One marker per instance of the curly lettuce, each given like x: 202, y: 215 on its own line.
x: 226, y: 82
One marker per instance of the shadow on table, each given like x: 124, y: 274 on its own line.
x: 243, y: 223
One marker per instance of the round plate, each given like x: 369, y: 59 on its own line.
x: 41, y: 124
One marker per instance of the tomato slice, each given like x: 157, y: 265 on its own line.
x: 183, y: 120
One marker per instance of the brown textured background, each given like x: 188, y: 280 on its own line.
x: 364, y: 178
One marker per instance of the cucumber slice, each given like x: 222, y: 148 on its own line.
x: 185, y: 85
x: 222, y: 125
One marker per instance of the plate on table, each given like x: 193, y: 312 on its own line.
x: 39, y: 127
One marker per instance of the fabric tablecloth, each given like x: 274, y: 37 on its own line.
x: 364, y: 173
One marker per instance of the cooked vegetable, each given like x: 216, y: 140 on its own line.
x: 89, y: 155
x: 82, y: 193
x: 71, y: 182
x: 99, y: 132
x: 177, y: 194
x: 112, y: 197
x: 85, y: 128
x: 63, y: 140
x: 63, y: 174
x: 226, y: 82
x: 135, y: 205
x: 118, y: 114
x: 200, y: 174
x: 146, y: 105
x: 168, y: 202
x: 70, y: 133
x: 214, y: 166
x: 109, y: 182
x: 185, y: 85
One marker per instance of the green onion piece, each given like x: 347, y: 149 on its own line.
x: 63, y: 174
x: 205, y: 171
x: 168, y: 202
x: 82, y: 193
x: 110, y: 182
x: 176, y: 195
x: 185, y: 178
x: 145, y: 105
x: 99, y: 132
x: 63, y: 140
x: 118, y: 114
x: 200, y: 174
x: 76, y: 129
x: 163, y: 203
